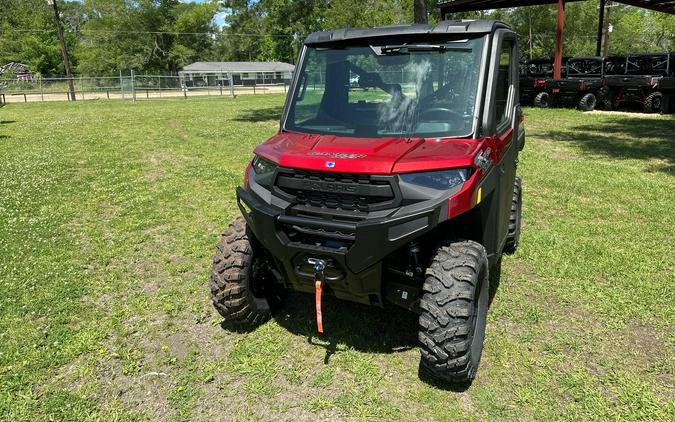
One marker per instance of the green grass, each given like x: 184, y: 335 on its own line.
x: 110, y: 211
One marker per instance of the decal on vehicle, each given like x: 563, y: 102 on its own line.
x: 483, y: 159
x: 337, y: 155
x: 330, y: 164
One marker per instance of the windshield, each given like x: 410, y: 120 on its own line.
x: 395, y: 90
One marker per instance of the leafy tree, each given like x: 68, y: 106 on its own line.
x: 161, y: 36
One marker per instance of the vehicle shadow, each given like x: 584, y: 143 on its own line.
x: 625, y: 138
x: 364, y: 328
x: 260, y: 115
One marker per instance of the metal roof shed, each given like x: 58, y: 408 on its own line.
x: 240, y: 73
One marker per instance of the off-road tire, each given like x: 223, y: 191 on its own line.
x: 515, y: 217
x: 542, y: 100
x: 587, y: 102
x: 653, y: 102
x: 232, y: 277
x: 453, y: 312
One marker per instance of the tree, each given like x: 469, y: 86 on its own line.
x: 160, y: 36
x: 420, y: 11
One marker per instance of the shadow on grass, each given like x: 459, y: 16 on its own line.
x: 367, y: 329
x: 260, y: 115
x: 6, y: 122
x: 625, y: 138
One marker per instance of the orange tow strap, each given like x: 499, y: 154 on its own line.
x: 319, y: 320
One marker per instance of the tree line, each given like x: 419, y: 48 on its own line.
x: 105, y: 37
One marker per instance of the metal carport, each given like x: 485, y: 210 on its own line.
x: 453, y: 6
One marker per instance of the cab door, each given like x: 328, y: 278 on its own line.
x: 502, y: 116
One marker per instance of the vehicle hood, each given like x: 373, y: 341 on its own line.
x: 367, y: 155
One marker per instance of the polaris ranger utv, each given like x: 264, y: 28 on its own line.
x: 533, y: 76
x: 582, y: 87
x: 640, y: 83
x: 399, y: 188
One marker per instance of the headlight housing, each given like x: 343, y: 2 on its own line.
x: 262, y: 166
x: 439, y: 180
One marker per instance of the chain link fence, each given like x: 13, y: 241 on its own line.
x: 132, y: 87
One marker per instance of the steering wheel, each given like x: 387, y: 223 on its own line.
x: 440, y: 114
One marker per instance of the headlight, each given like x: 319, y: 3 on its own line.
x: 439, y: 180
x: 262, y: 166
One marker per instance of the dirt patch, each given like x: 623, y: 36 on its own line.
x: 158, y: 161
x: 525, y: 270
x: 634, y: 114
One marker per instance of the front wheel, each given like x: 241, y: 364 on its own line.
x: 454, y: 307
x: 652, y: 103
x: 242, y: 280
x: 542, y: 100
x: 587, y: 102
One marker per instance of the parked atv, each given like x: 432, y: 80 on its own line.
x: 404, y: 194
x: 583, y: 87
x: 639, y: 83
x: 533, y: 76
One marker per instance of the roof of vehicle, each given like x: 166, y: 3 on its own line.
x: 444, y: 27
x: 538, y: 60
x: 661, y: 54
x: 587, y: 58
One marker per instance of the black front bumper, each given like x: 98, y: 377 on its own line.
x: 355, y: 270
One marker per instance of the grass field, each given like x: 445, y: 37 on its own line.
x: 109, y: 213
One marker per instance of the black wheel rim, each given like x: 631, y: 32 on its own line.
x: 260, y: 276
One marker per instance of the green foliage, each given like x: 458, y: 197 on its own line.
x: 635, y: 30
x: 148, y: 36
x: 160, y: 36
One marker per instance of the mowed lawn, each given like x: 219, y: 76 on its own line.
x: 110, y: 211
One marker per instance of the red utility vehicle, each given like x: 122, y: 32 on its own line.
x: 392, y: 180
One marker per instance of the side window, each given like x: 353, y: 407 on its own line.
x: 503, y: 82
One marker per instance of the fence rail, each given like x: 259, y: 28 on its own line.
x: 133, y: 87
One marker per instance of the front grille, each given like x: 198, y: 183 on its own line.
x: 336, y: 191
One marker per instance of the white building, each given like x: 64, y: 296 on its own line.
x: 241, y: 73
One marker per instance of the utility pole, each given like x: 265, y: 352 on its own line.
x: 606, y: 41
x: 64, y: 52
x: 601, y: 21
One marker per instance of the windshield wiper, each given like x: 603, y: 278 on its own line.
x: 408, y: 48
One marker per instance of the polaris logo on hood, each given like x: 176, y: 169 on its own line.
x: 328, y: 186
x: 337, y: 155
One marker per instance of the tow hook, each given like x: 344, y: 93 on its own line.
x: 319, y: 279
